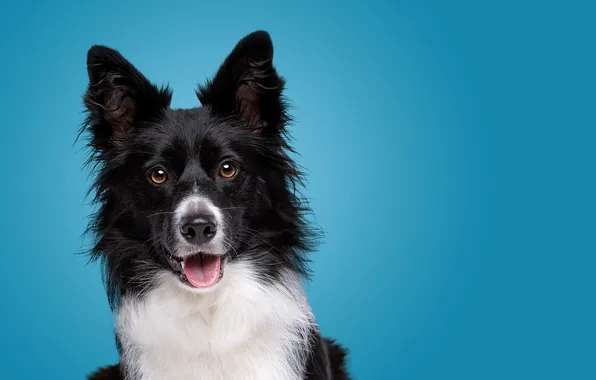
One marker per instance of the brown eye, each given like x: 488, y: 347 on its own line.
x: 158, y: 176
x: 227, y: 170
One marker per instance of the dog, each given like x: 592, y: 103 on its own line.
x: 200, y: 227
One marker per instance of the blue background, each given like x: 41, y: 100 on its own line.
x: 450, y: 149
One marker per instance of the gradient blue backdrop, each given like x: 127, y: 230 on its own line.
x: 450, y: 148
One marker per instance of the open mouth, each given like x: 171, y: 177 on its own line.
x: 201, y: 270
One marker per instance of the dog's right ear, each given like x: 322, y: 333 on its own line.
x: 119, y: 98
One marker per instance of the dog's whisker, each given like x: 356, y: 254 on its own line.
x: 161, y: 213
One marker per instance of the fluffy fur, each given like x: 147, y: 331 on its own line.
x: 255, y: 322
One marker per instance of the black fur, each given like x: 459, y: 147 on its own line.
x: 132, y: 129
x: 107, y: 373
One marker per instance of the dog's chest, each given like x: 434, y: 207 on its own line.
x: 257, y: 360
x: 172, y: 335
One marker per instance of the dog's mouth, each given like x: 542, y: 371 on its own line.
x: 201, y: 270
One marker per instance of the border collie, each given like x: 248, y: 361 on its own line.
x: 200, y: 228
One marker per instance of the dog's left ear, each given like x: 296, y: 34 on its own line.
x: 248, y: 86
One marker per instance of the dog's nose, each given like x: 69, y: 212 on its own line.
x: 199, y: 229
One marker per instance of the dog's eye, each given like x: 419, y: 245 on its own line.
x: 227, y: 170
x: 158, y: 176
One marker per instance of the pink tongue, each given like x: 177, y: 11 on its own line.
x: 202, y: 271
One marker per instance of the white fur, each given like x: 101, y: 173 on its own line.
x: 241, y: 330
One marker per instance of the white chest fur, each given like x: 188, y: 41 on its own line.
x: 242, y: 330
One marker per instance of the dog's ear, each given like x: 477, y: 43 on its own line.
x: 247, y: 85
x: 119, y: 98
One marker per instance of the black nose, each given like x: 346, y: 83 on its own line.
x: 199, y: 230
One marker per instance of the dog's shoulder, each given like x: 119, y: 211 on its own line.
x: 337, y: 360
x: 107, y: 373
x: 328, y: 359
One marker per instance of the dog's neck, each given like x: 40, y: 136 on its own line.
x: 244, y: 329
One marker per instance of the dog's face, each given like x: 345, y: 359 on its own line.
x: 191, y: 191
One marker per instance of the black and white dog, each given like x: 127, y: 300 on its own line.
x: 200, y: 228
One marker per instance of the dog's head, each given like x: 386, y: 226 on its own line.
x: 188, y: 192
